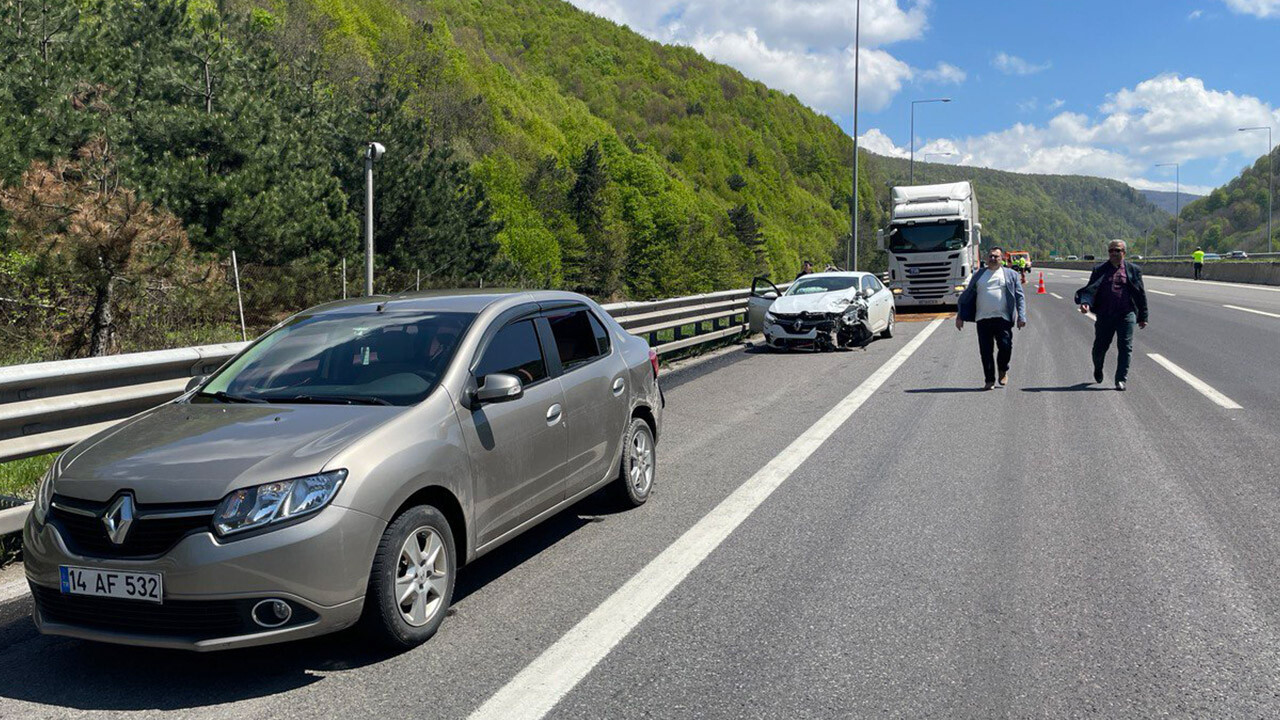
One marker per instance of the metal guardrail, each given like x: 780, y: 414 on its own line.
x: 46, y: 407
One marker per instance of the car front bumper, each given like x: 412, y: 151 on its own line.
x: 320, y: 566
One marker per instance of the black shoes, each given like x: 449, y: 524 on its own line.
x: 1097, y: 375
x: 1120, y: 385
x: 988, y: 386
x: 1004, y: 379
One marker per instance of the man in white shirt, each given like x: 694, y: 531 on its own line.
x: 995, y: 301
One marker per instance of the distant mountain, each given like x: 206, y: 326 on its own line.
x: 1169, y: 201
x: 1233, y: 217
x: 1045, y: 214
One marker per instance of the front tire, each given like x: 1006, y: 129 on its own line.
x: 411, y: 582
x: 639, y: 464
x: 888, y: 329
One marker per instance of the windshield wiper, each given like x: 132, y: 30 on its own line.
x: 330, y: 400
x: 228, y: 397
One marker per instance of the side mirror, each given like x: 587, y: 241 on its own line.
x: 499, y: 387
x: 195, y: 382
x: 880, y: 238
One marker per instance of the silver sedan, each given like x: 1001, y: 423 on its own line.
x: 339, y: 471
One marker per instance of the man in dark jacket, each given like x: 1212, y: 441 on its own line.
x: 1118, y: 298
x: 994, y: 301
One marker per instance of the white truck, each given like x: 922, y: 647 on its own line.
x: 932, y: 241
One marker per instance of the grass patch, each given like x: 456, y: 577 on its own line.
x: 19, y: 477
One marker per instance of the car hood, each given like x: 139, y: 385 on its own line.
x: 836, y: 301
x: 199, y: 452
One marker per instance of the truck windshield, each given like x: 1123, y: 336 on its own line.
x: 927, y: 238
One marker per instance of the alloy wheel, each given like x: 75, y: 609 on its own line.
x: 422, y: 576
x: 641, y: 474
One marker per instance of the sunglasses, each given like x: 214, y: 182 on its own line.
x: 1114, y: 250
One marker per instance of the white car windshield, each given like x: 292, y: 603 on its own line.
x: 810, y: 286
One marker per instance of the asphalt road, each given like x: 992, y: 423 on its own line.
x: 1054, y: 548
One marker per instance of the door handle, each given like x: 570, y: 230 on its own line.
x: 618, y: 386
x: 553, y: 414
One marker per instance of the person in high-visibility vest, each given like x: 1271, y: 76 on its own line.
x: 1197, y: 257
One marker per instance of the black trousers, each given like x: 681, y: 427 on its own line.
x: 1199, y: 269
x: 996, y: 332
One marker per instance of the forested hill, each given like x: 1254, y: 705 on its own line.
x: 1069, y: 214
x: 1234, y: 217
x: 1170, y: 202
x: 527, y: 142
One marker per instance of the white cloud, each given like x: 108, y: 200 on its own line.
x: 1014, y: 65
x: 1167, y: 118
x: 804, y: 47
x: 1057, y: 103
x: 1195, y: 15
x: 945, y: 73
x: 877, y: 142
x: 1259, y: 8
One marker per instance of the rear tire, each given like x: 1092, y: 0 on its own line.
x: 888, y: 329
x: 639, y: 467
x: 411, y: 582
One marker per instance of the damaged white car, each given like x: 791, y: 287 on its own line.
x: 824, y: 311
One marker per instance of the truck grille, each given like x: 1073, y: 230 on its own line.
x: 86, y: 535
x: 928, y: 280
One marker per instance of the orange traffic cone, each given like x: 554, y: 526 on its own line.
x: 1040, y: 290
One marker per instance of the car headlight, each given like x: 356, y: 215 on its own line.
x: 770, y: 318
x: 44, y: 496
x: 255, y: 507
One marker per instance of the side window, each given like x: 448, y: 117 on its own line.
x: 576, y: 339
x: 602, y: 335
x: 866, y: 283
x: 875, y: 283
x: 515, y: 351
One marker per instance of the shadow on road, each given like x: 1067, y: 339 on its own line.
x: 63, y: 672
x: 930, y: 391
x: 1078, y: 387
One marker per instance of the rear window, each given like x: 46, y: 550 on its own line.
x: 580, y: 338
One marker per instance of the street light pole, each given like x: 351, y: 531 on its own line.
x: 372, y: 153
x: 1177, y: 204
x: 913, y: 133
x: 1271, y: 178
x: 852, y: 260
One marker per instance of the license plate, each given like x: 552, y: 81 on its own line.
x: 930, y: 302
x: 112, y: 583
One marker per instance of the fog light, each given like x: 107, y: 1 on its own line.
x: 959, y: 288
x: 897, y: 291
x: 272, y: 613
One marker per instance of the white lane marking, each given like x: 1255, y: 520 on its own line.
x: 1195, y: 382
x: 1091, y: 316
x: 1251, y: 310
x: 1056, y: 295
x: 1161, y: 292
x: 1165, y: 278
x: 536, y: 690
x: 13, y: 590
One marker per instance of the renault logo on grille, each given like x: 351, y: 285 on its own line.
x: 118, y: 518
x: 913, y: 271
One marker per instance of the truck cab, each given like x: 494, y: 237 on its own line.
x: 932, y: 241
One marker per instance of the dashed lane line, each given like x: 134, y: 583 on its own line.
x: 1166, y: 278
x: 536, y: 690
x: 1056, y: 295
x: 1201, y: 386
x: 1251, y: 310
x: 1161, y: 292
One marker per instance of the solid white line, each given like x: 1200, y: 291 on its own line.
x: 1161, y: 292
x: 1251, y: 310
x: 13, y: 590
x: 1196, y: 383
x: 534, y: 691
x: 1056, y: 295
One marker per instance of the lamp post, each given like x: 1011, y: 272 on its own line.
x: 852, y: 261
x: 1177, y: 203
x: 1271, y: 177
x: 913, y: 132
x: 373, y: 153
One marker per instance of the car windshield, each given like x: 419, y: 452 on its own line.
x: 388, y: 358
x: 927, y: 238
x: 809, y: 286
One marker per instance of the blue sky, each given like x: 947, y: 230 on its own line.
x: 1060, y: 86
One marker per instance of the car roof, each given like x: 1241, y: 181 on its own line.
x: 835, y: 273
x: 468, y: 300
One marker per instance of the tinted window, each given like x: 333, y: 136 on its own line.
x: 515, y: 351
x: 576, y: 339
x: 602, y: 336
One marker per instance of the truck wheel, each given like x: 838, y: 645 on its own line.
x: 411, y: 583
x: 888, y: 329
